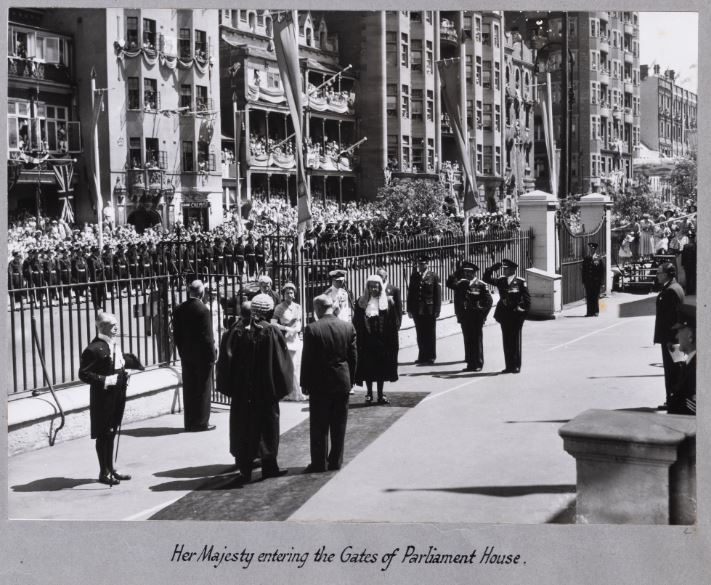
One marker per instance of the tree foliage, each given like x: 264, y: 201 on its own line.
x: 419, y: 199
x: 683, y: 179
x: 631, y: 204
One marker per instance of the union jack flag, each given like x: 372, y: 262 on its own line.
x: 64, y: 174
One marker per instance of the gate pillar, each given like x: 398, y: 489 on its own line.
x: 537, y: 210
x: 592, y: 209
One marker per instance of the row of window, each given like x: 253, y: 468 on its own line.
x: 151, y: 95
x: 601, y: 94
x: 601, y: 165
x: 41, y: 127
x: 411, y: 159
x: 152, y: 156
x: 410, y: 55
x: 599, y: 61
x: 677, y: 107
x: 676, y: 132
x: 410, y: 103
x: 189, y: 42
x: 485, y: 32
x: 39, y: 45
x: 610, y: 131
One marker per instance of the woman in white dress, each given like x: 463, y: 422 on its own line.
x: 287, y: 317
x: 646, y: 236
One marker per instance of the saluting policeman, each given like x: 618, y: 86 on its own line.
x: 514, y: 303
x: 472, y: 303
x: 424, y: 302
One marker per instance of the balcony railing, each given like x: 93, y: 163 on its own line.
x: 29, y: 68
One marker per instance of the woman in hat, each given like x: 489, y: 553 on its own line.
x: 287, y: 318
x: 661, y: 235
x: 375, y: 321
x: 646, y: 236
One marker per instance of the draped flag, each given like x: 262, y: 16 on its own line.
x: 287, y: 53
x: 64, y: 174
x: 450, y: 84
x: 98, y: 108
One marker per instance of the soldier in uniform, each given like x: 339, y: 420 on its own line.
x: 218, y: 259
x: 259, y: 255
x: 472, y: 303
x: 107, y: 259
x: 145, y: 260
x: 340, y: 296
x: 51, y: 274
x: 121, y: 268
x: 228, y: 252
x: 64, y: 265
x: 593, y: 277
x: 132, y: 258
x: 250, y: 256
x: 424, y: 302
x: 514, y: 303
x: 239, y: 255
x: 97, y: 276
x: 80, y: 272
x: 14, y: 275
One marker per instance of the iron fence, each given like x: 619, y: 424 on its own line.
x: 143, y: 292
x: 573, y: 248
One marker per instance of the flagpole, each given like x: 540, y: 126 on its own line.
x: 549, y: 121
x: 97, y: 175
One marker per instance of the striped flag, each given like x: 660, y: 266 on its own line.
x: 450, y: 85
x: 286, y: 48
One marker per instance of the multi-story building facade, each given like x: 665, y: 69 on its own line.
x: 158, y: 131
x: 252, y: 92
x: 668, y: 114
x: 43, y: 127
x: 593, y: 61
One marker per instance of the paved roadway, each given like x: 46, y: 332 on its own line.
x: 454, y: 447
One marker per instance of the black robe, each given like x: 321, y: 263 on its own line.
x: 378, y: 343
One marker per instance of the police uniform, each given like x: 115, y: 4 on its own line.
x: 593, y: 277
x: 14, y: 276
x: 514, y: 303
x: 424, y: 302
x: 341, y: 297
x: 472, y: 303
x: 97, y: 276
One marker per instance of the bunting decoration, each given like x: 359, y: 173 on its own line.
x: 450, y: 84
x: 287, y: 52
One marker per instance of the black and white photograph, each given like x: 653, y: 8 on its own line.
x: 342, y: 268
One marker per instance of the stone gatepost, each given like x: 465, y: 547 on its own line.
x: 592, y: 209
x: 537, y: 211
x: 633, y: 467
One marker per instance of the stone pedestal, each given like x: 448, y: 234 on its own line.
x: 592, y: 209
x: 546, y: 297
x: 633, y: 467
x: 537, y: 210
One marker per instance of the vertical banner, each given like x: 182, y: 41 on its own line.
x: 450, y: 82
x: 286, y: 48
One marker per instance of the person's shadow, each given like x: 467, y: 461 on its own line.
x: 52, y: 484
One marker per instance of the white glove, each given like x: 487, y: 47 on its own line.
x: 111, y: 380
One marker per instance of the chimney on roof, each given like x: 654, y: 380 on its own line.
x: 656, y: 70
x: 643, y: 72
x: 669, y: 73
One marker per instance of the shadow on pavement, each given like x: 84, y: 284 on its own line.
x: 152, y: 431
x: 499, y: 491
x: 561, y: 421
x: 641, y: 308
x: 195, y: 472
x: 452, y: 374
x: 197, y: 484
x: 626, y: 376
x: 52, y: 484
x: 638, y: 409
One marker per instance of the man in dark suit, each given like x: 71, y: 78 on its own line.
x: 392, y: 291
x: 669, y: 299
x: 593, y: 277
x: 682, y: 400
x: 514, y: 303
x: 192, y: 332
x: 424, y: 302
x: 328, y: 365
x: 104, y: 367
x: 472, y: 303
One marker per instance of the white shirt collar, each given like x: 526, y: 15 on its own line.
x: 106, y: 338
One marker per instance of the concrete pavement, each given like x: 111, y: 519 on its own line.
x: 478, y: 448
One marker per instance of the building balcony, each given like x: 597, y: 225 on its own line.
x: 447, y: 33
x: 604, y: 76
x: 35, y: 70
x: 629, y: 86
x: 629, y: 57
x: 229, y: 170
x: 629, y: 118
x: 629, y: 28
x: 604, y: 110
x: 604, y: 43
x: 617, y: 113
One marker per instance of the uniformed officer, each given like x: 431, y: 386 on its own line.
x: 80, y: 272
x: 472, y: 303
x: 239, y: 256
x: 340, y: 295
x: 250, y: 257
x: 218, y: 259
x: 424, y: 302
x: 121, y: 268
x: 108, y: 260
x: 97, y: 275
x: 64, y: 264
x: 14, y: 275
x: 259, y: 255
x: 514, y: 303
x: 133, y: 268
x: 593, y: 277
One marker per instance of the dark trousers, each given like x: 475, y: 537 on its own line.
x: 256, y: 431
x: 671, y: 372
x: 592, y: 296
x: 426, y: 330
x: 328, y: 416
x: 473, y: 341
x: 511, y: 334
x: 105, y: 452
x: 196, y: 395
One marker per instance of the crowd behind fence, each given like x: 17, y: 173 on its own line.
x: 144, y: 298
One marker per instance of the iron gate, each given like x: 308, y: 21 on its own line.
x: 573, y: 247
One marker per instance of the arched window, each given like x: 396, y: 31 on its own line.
x: 527, y: 82
x: 309, y: 37
x: 268, y: 26
x: 252, y: 21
